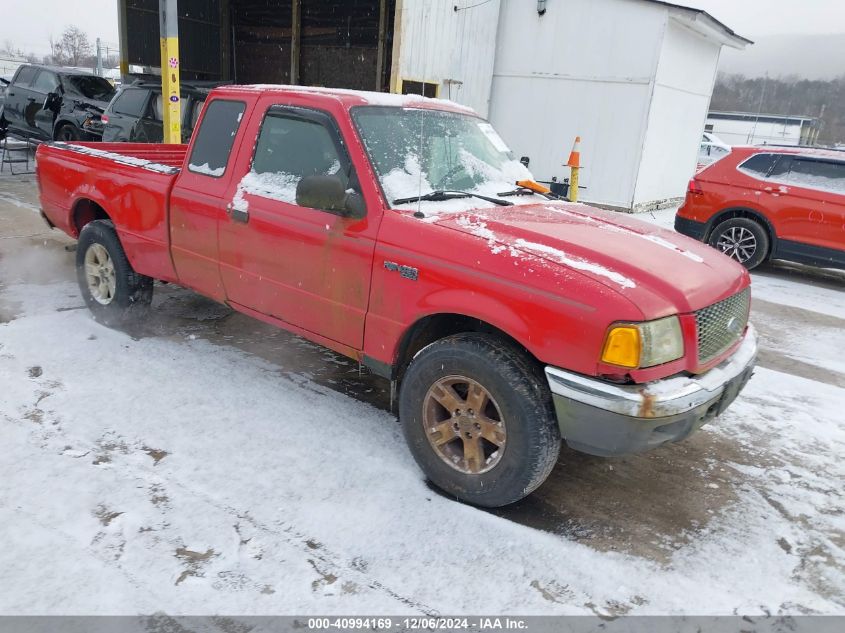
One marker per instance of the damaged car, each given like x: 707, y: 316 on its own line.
x: 52, y: 103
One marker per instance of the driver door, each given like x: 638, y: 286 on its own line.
x: 39, y: 117
x: 308, y: 267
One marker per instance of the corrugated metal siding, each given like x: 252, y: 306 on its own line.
x: 584, y: 68
x: 684, y: 84
x: 437, y: 44
x: 199, y: 36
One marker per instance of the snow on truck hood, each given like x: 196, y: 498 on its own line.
x: 660, y: 271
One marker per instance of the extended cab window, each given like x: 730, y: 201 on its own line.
x: 131, y: 102
x: 25, y: 76
x: 817, y: 174
x: 293, y: 145
x: 214, y: 139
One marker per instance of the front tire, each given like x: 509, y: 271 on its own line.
x: 111, y: 288
x: 68, y: 133
x: 478, y: 418
x: 742, y: 239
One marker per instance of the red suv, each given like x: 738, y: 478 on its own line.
x: 760, y: 203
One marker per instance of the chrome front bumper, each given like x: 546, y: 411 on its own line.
x: 608, y: 419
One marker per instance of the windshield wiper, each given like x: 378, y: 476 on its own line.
x: 441, y: 195
x: 524, y: 191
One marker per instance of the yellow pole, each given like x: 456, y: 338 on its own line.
x: 573, y: 184
x: 171, y: 99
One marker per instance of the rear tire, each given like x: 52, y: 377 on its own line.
x: 478, y: 418
x: 742, y: 239
x: 112, y: 290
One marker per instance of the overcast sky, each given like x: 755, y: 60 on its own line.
x: 28, y: 24
x: 757, y: 18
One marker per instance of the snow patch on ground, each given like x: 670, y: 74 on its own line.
x: 205, y: 484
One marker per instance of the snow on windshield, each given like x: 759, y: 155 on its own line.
x: 418, y: 151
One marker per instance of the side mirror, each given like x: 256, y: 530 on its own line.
x: 328, y: 194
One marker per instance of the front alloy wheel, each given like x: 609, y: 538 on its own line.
x: 464, y: 425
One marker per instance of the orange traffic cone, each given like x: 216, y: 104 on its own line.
x: 575, y: 155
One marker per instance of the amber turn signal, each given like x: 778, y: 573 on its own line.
x: 622, y: 347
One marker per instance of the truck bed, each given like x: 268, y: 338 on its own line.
x: 128, y: 183
x: 152, y: 156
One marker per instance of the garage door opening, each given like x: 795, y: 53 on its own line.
x: 312, y: 42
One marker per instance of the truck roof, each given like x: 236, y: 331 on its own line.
x: 350, y: 98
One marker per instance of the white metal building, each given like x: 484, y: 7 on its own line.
x: 748, y: 128
x: 633, y: 78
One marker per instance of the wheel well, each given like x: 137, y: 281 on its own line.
x: 728, y: 214
x: 85, y: 211
x: 437, y: 326
x: 59, y: 123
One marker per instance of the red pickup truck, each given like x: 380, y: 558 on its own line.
x: 391, y: 230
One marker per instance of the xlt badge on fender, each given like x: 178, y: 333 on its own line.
x: 408, y: 272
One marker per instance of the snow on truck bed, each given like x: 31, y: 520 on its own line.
x: 163, y: 159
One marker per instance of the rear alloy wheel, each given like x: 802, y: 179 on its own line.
x: 113, y: 291
x: 743, y: 240
x: 478, y: 417
x: 100, y: 274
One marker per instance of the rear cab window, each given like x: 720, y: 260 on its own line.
x: 215, y: 137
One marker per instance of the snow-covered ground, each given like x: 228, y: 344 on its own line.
x: 179, y: 470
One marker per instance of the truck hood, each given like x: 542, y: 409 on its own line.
x: 660, y: 271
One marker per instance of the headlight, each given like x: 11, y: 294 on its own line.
x: 644, y: 344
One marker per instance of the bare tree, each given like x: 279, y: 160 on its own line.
x: 72, y: 48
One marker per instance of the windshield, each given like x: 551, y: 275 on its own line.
x: 91, y: 87
x: 417, y: 151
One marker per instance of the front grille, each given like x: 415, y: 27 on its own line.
x: 721, y: 325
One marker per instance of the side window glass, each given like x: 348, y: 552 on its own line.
x: 25, y: 76
x: 214, y: 139
x: 46, y: 82
x: 131, y: 102
x: 759, y: 165
x: 295, y: 149
x: 817, y: 174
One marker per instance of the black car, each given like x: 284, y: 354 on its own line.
x: 4, y: 83
x: 46, y: 102
x: 135, y: 113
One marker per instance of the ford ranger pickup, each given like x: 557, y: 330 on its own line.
x: 391, y: 229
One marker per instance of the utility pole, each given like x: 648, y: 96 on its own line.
x: 99, y: 59
x: 169, y: 35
